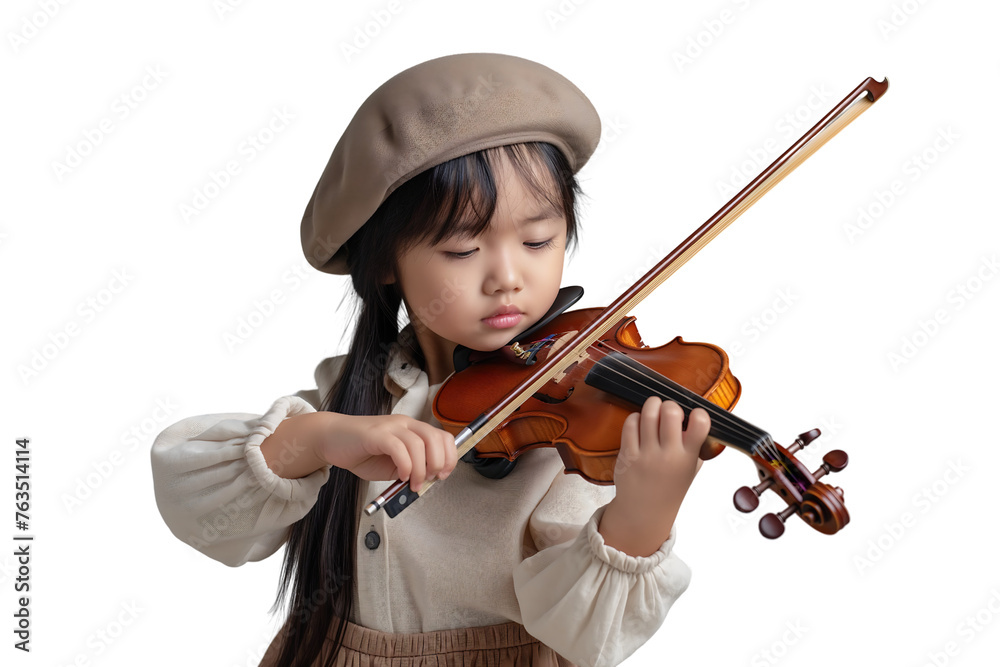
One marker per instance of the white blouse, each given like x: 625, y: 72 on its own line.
x: 471, y: 552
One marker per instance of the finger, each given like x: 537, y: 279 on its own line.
x: 628, y: 452
x: 434, y: 455
x: 698, y: 426
x: 671, y: 422
x: 399, y: 454
x: 418, y: 465
x: 434, y: 452
x: 450, y: 452
x: 649, y: 424
x: 630, y: 437
x: 442, y: 455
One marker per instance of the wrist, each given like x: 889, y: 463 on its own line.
x: 323, y: 437
x: 292, y: 451
x: 633, y: 530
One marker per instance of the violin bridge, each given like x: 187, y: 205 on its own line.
x: 562, y: 340
x: 573, y: 365
x: 559, y: 342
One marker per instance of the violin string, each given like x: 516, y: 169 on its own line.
x: 763, y: 443
x: 658, y: 381
x: 657, y: 384
x: 733, y: 429
x: 612, y: 364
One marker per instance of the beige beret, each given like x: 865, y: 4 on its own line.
x: 431, y: 113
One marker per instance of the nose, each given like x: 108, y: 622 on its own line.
x: 504, y: 273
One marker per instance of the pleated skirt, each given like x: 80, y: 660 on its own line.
x: 502, y: 645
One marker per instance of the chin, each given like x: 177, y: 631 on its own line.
x: 506, y: 335
x: 483, y: 345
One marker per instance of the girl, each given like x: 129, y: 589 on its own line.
x: 452, y: 194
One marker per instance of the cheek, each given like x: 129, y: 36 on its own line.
x: 417, y: 280
x: 556, y: 267
x: 438, y: 291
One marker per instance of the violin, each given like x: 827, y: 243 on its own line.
x: 571, y: 380
x: 581, y: 413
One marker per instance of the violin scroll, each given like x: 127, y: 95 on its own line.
x: 820, y: 505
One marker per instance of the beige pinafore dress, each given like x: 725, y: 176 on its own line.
x: 503, y: 645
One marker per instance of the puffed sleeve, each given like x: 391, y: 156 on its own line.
x: 591, y: 603
x: 213, y: 487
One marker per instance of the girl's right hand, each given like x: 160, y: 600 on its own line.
x: 389, y: 447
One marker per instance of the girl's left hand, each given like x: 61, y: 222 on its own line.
x: 658, y: 460
x: 656, y: 454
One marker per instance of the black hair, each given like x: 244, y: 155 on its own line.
x: 319, y: 566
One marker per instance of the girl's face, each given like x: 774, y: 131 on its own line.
x: 452, y: 290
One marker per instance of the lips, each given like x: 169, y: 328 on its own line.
x: 504, y: 317
x: 504, y: 310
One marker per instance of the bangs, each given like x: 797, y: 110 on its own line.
x: 461, y: 194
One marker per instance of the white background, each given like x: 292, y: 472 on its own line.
x: 815, y: 312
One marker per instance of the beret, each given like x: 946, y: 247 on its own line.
x: 431, y: 113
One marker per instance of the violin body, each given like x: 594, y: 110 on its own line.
x: 582, y: 422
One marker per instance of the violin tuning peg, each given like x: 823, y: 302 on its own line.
x: 809, y: 436
x: 833, y: 461
x: 803, y: 440
x: 745, y: 499
x: 836, y: 459
x: 772, y: 526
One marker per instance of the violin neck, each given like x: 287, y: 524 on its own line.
x: 626, y: 378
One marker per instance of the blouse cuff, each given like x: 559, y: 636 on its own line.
x: 593, y: 604
x: 293, y: 490
x: 618, y: 559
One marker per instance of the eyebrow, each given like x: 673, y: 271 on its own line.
x: 550, y: 212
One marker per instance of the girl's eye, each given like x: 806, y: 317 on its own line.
x: 534, y: 245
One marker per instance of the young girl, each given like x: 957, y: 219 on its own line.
x: 451, y: 195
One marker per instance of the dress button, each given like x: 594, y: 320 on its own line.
x: 372, y: 540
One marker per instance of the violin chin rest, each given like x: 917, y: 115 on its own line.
x: 491, y: 468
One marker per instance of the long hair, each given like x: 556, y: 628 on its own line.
x: 319, y: 565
